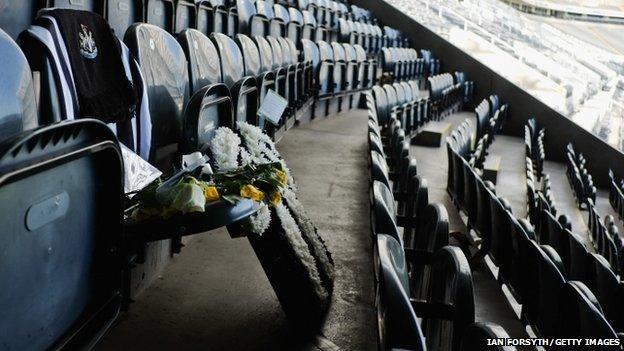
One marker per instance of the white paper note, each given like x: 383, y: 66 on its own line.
x: 272, y: 107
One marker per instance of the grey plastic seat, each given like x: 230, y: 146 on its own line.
x: 18, y: 111
x: 167, y: 83
x: 61, y: 265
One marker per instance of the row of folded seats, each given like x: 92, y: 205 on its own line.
x: 221, y: 79
x: 341, y: 73
x: 399, y: 106
x: 616, y: 194
x: 297, y: 20
x: 424, y: 296
x: 448, y: 93
x: 491, y: 115
x: 556, y: 300
x: 599, y: 271
x: 540, y: 197
x: 404, y: 64
x: 581, y: 181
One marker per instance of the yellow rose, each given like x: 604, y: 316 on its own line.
x: 211, y: 193
x: 281, y: 177
x: 251, y: 192
x: 276, y: 198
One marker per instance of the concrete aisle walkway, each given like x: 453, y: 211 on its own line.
x: 565, y: 202
x: 215, y: 296
x: 511, y: 178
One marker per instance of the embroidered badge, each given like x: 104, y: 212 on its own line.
x: 88, y: 49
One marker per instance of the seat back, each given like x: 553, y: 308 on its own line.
x: 294, y: 28
x: 18, y: 111
x: 266, y: 53
x: 280, y: 22
x: 232, y: 66
x: 204, y: 67
x: 434, y: 231
x: 160, y: 13
x: 87, y: 5
x: 609, y: 291
x: 61, y: 262
x: 582, y: 315
x: 551, y: 282
x: 165, y: 71
x: 251, y: 55
x: 208, y: 109
x: 121, y: 14
x: 325, y: 77
x: 205, y: 16
x: 383, y: 216
x: 398, y: 325
x: 185, y: 15
x: 243, y: 89
x: 451, y: 284
x: 17, y: 16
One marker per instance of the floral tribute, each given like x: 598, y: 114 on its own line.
x: 247, y: 165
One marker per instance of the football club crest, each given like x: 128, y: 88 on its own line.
x: 88, y: 49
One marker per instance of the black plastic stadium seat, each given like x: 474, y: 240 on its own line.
x: 204, y: 66
x: 161, y: 14
x: 399, y: 327
x: 279, y: 24
x: 581, y: 315
x: 243, y: 89
x: 86, y: 5
x: 18, y: 16
x: 67, y: 288
x: 121, y: 14
x: 185, y: 15
x: 609, y: 291
x: 167, y: 87
x: 265, y: 77
x: 18, y: 111
x: 294, y: 28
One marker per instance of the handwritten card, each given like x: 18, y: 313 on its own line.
x: 272, y: 107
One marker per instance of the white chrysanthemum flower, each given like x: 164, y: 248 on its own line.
x: 225, y: 148
x: 308, y: 229
x: 261, y: 220
x: 300, y: 247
